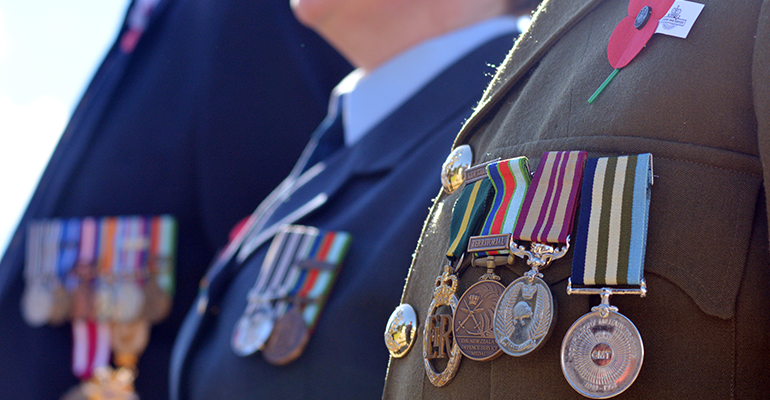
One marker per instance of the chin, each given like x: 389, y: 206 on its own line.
x: 309, y: 12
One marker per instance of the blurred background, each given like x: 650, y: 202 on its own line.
x: 49, y: 49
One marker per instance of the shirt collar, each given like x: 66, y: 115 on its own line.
x: 366, y: 99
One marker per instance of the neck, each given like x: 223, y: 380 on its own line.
x: 369, y: 42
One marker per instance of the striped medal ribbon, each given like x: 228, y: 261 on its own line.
x: 525, y: 314
x: 468, y: 212
x: 510, y: 179
x: 304, y: 295
x: 602, y: 353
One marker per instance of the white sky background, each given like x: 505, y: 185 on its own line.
x: 49, y: 49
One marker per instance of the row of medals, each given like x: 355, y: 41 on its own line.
x: 130, y: 300
x: 601, y: 353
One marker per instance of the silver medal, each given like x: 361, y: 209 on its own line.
x: 253, y: 329
x: 524, y: 316
x: 36, y: 304
x: 601, y: 354
x: 129, y: 302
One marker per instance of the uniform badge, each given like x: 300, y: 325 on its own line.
x: 602, y: 353
x: 438, y: 341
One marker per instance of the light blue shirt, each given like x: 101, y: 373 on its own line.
x: 368, y: 98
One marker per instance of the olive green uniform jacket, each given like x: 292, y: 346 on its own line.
x: 701, y: 106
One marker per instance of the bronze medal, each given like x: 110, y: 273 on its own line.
x: 62, y: 306
x: 473, y: 326
x: 438, y: 341
x: 288, y: 339
x: 401, y: 331
x: 82, y: 302
x: 157, y: 303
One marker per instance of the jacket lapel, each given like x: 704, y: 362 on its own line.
x: 378, y: 152
x: 551, y: 20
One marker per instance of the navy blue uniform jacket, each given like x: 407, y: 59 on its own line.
x: 379, y: 190
x: 208, y: 112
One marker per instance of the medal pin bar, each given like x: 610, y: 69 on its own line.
x: 602, y: 352
x: 255, y: 326
x: 317, y: 265
x: 525, y: 315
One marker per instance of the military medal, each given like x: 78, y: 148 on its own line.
x: 159, y: 287
x: 255, y: 326
x: 104, y: 291
x: 68, y: 254
x: 305, y: 294
x: 602, y: 353
x: 526, y: 311
x: 474, y: 318
x: 37, y: 301
x: 437, y: 340
x: 129, y: 294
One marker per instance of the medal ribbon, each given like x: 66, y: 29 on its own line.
x: 612, y: 229
x: 549, y: 206
x: 314, y: 283
x: 511, y: 179
x: 467, y: 214
x: 166, y: 248
x: 69, y: 253
x: 91, y: 347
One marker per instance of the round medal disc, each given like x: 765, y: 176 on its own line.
x: 473, y: 319
x: 129, y: 301
x: 157, y: 303
x: 453, y: 170
x: 401, y: 331
x: 524, y: 316
x: 36, y: 304
x: 253, y: 330
x: 601, y: 357
x: 104, y: 299
x: 288, y: 339
x: 61, y: 308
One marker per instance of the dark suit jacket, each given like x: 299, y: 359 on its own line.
x: 701, y: 106
x: 196, y: 122
x: 378, y: 190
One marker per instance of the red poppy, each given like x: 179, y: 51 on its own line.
x: 633, y: 32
